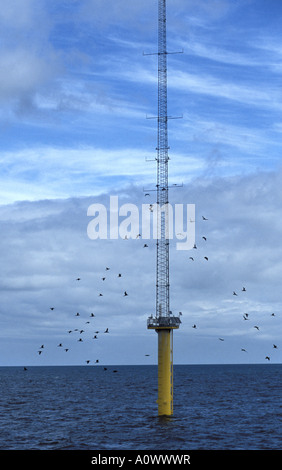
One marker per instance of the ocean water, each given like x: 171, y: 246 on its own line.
x: 216, y: 407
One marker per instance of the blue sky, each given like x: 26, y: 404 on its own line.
x: 76, y: 92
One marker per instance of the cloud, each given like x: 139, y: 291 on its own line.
x: 45, y: 248
x: 50, y: 172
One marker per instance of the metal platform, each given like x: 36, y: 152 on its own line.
x: 167, y: 322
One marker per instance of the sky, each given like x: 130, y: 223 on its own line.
x: 78, y: 94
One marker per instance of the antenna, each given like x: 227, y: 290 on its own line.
x: 163, y: 322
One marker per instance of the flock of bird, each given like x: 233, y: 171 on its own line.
x: 82, y: 328
x: 245, y: 316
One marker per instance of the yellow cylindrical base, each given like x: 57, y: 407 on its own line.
x: 165, y: 372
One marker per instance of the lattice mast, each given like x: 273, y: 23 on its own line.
x: 164, y: 322
x: 162, y: 268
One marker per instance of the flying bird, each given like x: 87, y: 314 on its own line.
x: 191, y: 258
x: 256, y: 327
x: 221, y: 339
x: 78, y: 279
x: 234, y: 293
x: 244, y: 289
x: 204, y: 218
x: 205, y: 238
x: 206, y: 258
x: 106, y: 330
x: 125, y: 293
x: 267, y: 357
x: 242, y: 349
x: 194, y: 326
x: 275, y: 347
x: 52, y: 308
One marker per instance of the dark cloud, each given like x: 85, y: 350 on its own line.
x: 45, y: 247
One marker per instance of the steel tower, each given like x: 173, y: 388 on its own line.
x: 163, y: 322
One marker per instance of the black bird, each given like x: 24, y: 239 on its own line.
x: 234, y: 293
x: 25, y: 368
x: 100, y: 295
x: 106, y: 330
x: 194, y: 326
x: 66, y: 349
x: 77, y: 314
x: 204, y: 218
x: 256, y: 327
x: 244, y: 289
x: 273, y: 314
x: 205, y: 238
x: 206, y: 258
x: 87, y: 362
x: 119, y: 275
x: 221, y: 339
x: 147, y: 354
x: 267, y: 357
x: 95, y: 337
x: 39, y: 352
x: 125, y: 293
x: 275, y: 347
x: 97, y: 360
x: 80, y: 339
x: 145, y: 245
x: 78, y: 279
x: 245, y: 317
x: 103, y: 278
x: 92, y: 315
x: 107, y: 269
x: 60, y: 345
x: 52, y: 308
x: 242, y: 349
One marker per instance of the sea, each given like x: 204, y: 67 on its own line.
x: 216, y: 407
